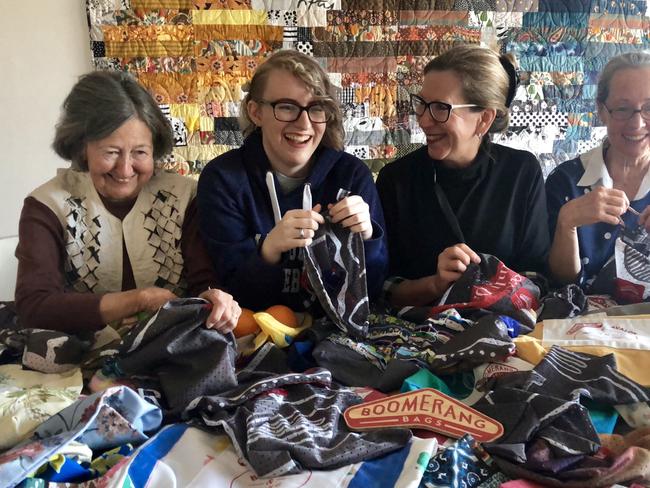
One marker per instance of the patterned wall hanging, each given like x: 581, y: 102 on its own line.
x: 194, y: 57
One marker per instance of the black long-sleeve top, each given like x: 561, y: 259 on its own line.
x: 499, y: 202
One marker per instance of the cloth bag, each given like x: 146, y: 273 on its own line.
x: 491, y: 285
x: 335, y: 264
x: 626, y: 276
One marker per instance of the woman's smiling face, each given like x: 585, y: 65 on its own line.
x: 629, y: 88
x: 453, y: 142
x: 288, y: 145
x: 122, y: 163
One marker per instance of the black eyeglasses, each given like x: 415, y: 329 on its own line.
x: 440, y: 111
x: 290, y: 111
x: 626, y: 113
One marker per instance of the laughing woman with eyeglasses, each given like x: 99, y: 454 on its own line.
x: 461, y: 194
x: 251, y: 198
x: 590, y: 195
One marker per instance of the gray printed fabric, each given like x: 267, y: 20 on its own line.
x: 569, y: 301
x: 543, y: 404
x: 444, y: 344
x: 47, y: 351
x: 51, y: 351
x: 336, y: 267
x: 527, y: 417
x: 286, y: 423
x: 176, y: 348
x: 570, y: 375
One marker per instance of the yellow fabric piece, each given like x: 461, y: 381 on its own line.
x: 230, y: 17
x: 382, y: 99
x: 149, y: 48
x: 125, y: 33
x: 27, y: 398
x: 206, y: 123
x: 219, y: 87
x: 633, y: 363
x: 205, y: 152
x: 189, y: 112
x: 73, y: 450
x: 172, y: 4
x: 171, y: 88
x: 269, y: 33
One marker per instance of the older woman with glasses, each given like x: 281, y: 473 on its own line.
x: 251, y: 198
x: 110, y: 237
x: 589, y: 196
x: 461, y: 194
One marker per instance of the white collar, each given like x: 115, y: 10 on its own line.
x: 596, y: 172
x: 595, y: 169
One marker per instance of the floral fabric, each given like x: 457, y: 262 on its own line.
x: 28, y: 398
x: 102, y: 421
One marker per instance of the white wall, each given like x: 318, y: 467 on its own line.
x: 44, y: 47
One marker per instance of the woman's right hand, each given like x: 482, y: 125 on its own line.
x: 599, y: 205
x: 452, y: 263
x: 296, y: 229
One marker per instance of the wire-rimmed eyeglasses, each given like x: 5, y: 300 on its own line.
x: 626, y: 113
x: 287, y: 111
x: 440, y: 111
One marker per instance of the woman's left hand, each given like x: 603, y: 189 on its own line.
x: 353, y: 213
x: 225, y: 310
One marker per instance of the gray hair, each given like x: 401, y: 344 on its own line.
x: 98, y: 104
x: 309, y: 72
x: 488, y: 80
x: 630, y: 60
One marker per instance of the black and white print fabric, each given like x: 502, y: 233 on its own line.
x: 336, y: 267
x: 82, y: 246
x: 284, y: 423
x: 162, y: 222
x: 186, y: 358
x: 544, y: 403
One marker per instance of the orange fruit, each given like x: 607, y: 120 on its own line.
x: 246, y: 324
x: 283, y: 314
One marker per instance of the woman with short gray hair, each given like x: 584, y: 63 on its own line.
x: 589, y: 196
x: 109, y: 237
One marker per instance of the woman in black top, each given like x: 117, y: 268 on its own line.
x: 462, y: 194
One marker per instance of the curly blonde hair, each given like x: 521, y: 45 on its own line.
x: 309, y: 72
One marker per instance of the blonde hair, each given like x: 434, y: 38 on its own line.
x: 631, y: 60
x: 309, y: 72
x: 488, y: 80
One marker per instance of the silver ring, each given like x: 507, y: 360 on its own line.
x: 302, y: 233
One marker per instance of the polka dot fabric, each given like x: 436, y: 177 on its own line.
x: 176, y: 348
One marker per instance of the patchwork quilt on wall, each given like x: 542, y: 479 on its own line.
x: 194, y: 57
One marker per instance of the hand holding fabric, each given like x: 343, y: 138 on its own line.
x: 353, y: 213
x: 452, y: 263
x: 599, y: 205
x: 296, y: 229
x: 225, y: 310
